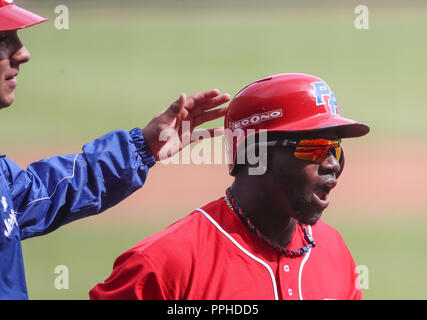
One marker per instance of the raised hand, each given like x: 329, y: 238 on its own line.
x: 172, y: 129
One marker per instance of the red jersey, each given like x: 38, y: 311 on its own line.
x: 211, y: 255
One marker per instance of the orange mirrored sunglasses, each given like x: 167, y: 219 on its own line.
x: 317, y: 150
x: 314, y: 150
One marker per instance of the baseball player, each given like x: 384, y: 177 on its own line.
x: 61, y: 189
x: 264, y: 238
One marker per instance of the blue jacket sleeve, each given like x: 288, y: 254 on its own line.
x: 61, y: 189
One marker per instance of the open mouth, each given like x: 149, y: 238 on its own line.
x: 322, y: 198
x: 321, y: 193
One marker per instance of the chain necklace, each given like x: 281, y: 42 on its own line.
x: 231, y: 202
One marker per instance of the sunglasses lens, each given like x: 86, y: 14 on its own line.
x: 338, y: 153
x: 311, y: 154
x: 317, y: 150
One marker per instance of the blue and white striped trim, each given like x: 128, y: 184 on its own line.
x: 56, y: 187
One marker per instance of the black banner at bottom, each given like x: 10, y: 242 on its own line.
x: 177, y: 310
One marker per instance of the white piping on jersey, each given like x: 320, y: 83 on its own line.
x: 68, y: 177
x: 273, y: 279
x: 307, y: 255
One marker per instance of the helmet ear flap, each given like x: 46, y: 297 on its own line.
x: 341, y: 162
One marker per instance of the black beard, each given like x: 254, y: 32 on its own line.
x: 303, y: 207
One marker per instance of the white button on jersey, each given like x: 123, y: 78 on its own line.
x: 290, y: 291
x: 286, y: 268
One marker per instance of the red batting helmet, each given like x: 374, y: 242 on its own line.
x: 13, y: 17
x: 290, y: 102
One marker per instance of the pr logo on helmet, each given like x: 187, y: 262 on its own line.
x: 257, y: 118
x: 324, y: 96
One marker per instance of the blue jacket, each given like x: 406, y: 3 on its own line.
x: 61, y: 189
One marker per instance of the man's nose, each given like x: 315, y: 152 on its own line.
x: 21, y: 55
x: 331, y: 164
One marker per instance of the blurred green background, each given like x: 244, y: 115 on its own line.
x: 122, y: 62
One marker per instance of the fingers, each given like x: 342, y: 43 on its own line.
x: 202, y: 97
x: 212, y: 103
x: 176, y: 107
x: 209, y: 116
x: 197, y: 108
x: 197, y: 103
